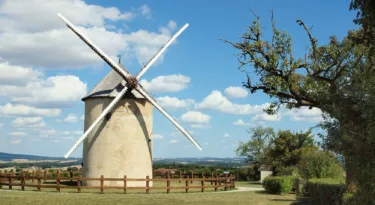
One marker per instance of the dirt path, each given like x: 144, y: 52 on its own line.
x: 240, y: 189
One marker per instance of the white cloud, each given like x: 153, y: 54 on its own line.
x: 216, y: 101
x: 205, y: 144
x: 1, y: 125
x: 82, y: 117
x: 227, y: 135
x: 18, y: 134
x: 200, y: 126
x: 304, y: 114
x: 145, y: 11
x: 174, y: 103
x: 23, y: 110
x: 17, y: 75
x: 169, y: 83
x: 16, y: 141
x: 56, y: 91
x: 71, y: 118
x: 170, y: 27
x: 195, y: 117
x: 41, y: 15
x: 173, y: 141
x: 236, y: 92
x: 28, y: 122
x: 37, y: 37
x: 266, y: 117
x: 46, y: 133
x: 240, y: 122
x: 157, y: 136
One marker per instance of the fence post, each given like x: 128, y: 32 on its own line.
x: 39, y: 182
x: 71, y: 175
x: 168, y: 185
x: 216, y: 183
x: 180, y: 176
x: 79, y: 184
x: 147, y: 184
x: 58, y: 181
x: 44, y: 175
x: 212, y: 176
x: 11, y: 180
x: 32, y: 176
x: 23, y: 182
x: 226, y: 182
x: 124, y: 184
x: 192, y: 176
x: 219, y: 179
x: 101, y: 184
x: 202, y: 182
x: 187, y: 184
x: 1, y: 179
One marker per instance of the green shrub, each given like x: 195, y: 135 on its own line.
x: 287, y: 171
x: 279, y: 184
x: 241, y: 174
x: 348, y: 199
x: 326, y: 191
x: 320, y: 164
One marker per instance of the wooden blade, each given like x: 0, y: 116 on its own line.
x: 152, y: 60
x: 108, y: 60
x: 153, y: 102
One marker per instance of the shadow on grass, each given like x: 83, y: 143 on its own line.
x: 298, y: 201
x: 302, y: 201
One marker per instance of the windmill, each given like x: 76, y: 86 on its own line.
x: 118, y: 122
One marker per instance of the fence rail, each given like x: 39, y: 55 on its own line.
x: 23, y: 180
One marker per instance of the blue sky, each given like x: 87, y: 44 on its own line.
x: 45, y: 69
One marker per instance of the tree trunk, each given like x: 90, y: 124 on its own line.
x: 351, y: 181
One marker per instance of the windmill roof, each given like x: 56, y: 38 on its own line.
x: 110, y: 86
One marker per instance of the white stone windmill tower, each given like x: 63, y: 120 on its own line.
x: 118, y: 122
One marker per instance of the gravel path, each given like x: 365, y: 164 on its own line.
x: 239, y: 189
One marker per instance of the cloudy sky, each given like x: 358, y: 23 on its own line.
x: 45, y: 69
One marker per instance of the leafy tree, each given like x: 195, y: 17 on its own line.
x: 254, y: 149
x: 365, y: 17
x: 286, y: 150
x: 337, y: 78
x: 320, y: 164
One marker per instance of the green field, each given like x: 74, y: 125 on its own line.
x: 230, y: 198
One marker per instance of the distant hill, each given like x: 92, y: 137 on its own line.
x: 202, y: 160
x: 9, y: 157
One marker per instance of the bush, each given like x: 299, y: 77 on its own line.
x: 287, y: 171
x: 278, y: 185
x: 241, y: 174
x: 326, y: 191
x: 320, y: 164
x: 254, y: 173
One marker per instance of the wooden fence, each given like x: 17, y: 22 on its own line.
x: 23, y: 180
x: 55, y: 172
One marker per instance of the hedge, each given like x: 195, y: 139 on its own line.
x: 326, y: 191
x: 279, y: 184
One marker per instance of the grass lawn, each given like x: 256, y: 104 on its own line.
x: 230, y: 198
